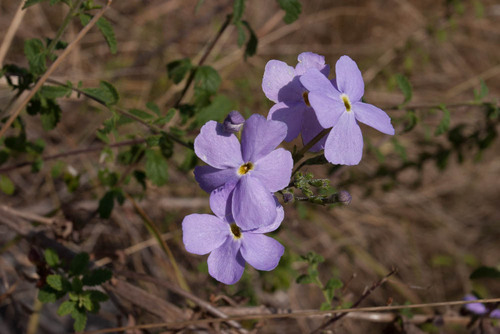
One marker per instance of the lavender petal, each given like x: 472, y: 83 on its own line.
x: 202, y: 234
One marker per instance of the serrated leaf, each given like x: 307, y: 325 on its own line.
x: 109, y: 35
x: 97, y: 277
x: 79, y: 264
x: 251, y: 47
x: 66, y: 308
x: 207, y: 79
x: 80, y: 319
x: 51, y: 257
x: 106, y: 93
x: 292, y: 9
x: 444, y: 124
x: 238, y: 9
x: 53, y: 92
x: 47, y: 295
x: 156, y: 167
x: 55, y: 282
x: 106, y: 204
x: 85, y: 301
x: 178, y: 69
x: 217, y: 110
x: 485, y: 272
x: 35, y: 53
x: 141, y: 114
x: 405, y: 86
x: 6, y: 185
x: 304, y: 279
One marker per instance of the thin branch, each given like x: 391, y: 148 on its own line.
x: 52, y: 68
x: 64, y: 25
x: 292, y: 314
x: 297, y: 156
x: 9, y: 35
x: 27, y: 215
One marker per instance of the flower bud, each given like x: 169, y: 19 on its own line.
x: 287, y: 197
x: 344, y: 197
x: 233, y: 122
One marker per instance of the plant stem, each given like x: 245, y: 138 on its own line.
x: 300, y: 154
x: 63, y: 26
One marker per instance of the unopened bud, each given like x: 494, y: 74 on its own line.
x: 344, y: 197
x: 287, y: 197
x: 233, y: 122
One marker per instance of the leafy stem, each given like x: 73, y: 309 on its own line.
x: 71, y: 13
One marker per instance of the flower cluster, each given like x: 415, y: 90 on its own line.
x: 242, y: 176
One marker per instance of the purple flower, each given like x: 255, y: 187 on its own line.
x: 252, y: 171
x: 229, y: 244
x: 480, y: 309
x: 337, y: 104
x: 281, y: 85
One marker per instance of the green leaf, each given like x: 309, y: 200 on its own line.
x: 331, y: 286
x: 312, y: 258
x: 444, y: 124
x: 304, y: 279
x: 50, y: 114
x: 6, y: 185
x: 105, y: 93
x: 35, y: 52
x: 241, y: 34
x: 140, y: 177
x: 51, y: 258
x: 217, y: 110
x: 80, y: 319
x: 166, y: 146
x: 85, y: 301
x: 154, y: 108
x: 76, y: 284
x: 109, y: 35
x: 482, y: 92
x: 30, y: 3
x: 325, y: 306
x: 167, y: 118
x: 207, y: 79
x: 485, y: 272
x: 79, y: 264
x: 106, y: 204
x: 156, y: 167
x: 97, y: 277
x: 97, y: 296
x: 292, y: 10
x: 178, y: 69
x: 238, y: 9
x: 55, y: 282
x: 141, y: 114
x: 405, y: 86
x: 47, y: 295
x: 53, y: 92
x: 66, y: 308
x: 411, y: 120
x: 251, y: 47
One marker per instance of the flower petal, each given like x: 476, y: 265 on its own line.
x: 349, y: 79
x: 373, y: 116
x: 216, y: 147
x: 314, y: 81
x: 225, y: 263
x: 277, y: 74
x: 280, y: 214
x: 327, y: 110
x: 253, y: 205
x: 344, y: 145
x: 260, y: 251
x: 290, y: 115
x: 274, y: 170
x: 210, y: 178
x: 220, y: 201
x: 310, y: 129
x: 309, y: 60
x: 202, y: 234
x: 260, y: 136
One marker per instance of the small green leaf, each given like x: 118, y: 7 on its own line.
x: 167, y: 118
x: 292, y: 9
x: 166, y: 146
x: 207, y: 79
x: 97, y: 277
x: 178, y: 69
x: 35, y: 52
x: 76, y: 284
x: 334, y: 284
x: 140, y: 177
x: 325, y: 306
x: 154, y: 108
x: 66, y: 308
x: 105, y: 93
x: 51, y: 257
x: 55, y: 282
x: 444, y: 124
x: 53, y: 92
x: 304, y: 279
x: 217, y: 110
x: 156, y: 167
x: 405, y: 86
x: 6, y: 185
x: 80, y: 319
x: 85, y: 301
x: 79, y: 264
x: 241, y: 34
x: 106, y: 204
x: 97, y: 296
x: 47, y: 295
x: 141, y: 114
x: 411, y: 120
x: 109, y: 35
x: 251, y: 47
x: 485, y: 272
x: 238, y: 9
x: 30, y: 3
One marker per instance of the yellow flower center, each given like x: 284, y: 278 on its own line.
x: 305, y: 96
x: 245, y: 168
x: 346, y: 101
x: 235, y: 230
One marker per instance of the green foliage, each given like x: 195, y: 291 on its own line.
x: 217, y: 110
x: 6, y: 185
x: 411, y: 120
x: 51, y: 258
x: 444, y: 124
x: 105, y: 93
x: 485, y: 272
x: 55, y: 282
x: 292, y: 9
x: 251, y: 47
x: 207, y: 79
x: 482, y: 92
x: 54, y: 92
x: 405, y: 86
x: 238, y: 9
x: 35, y: 52
x: 97, y: 277
x: 107, y: 202
x: 105, y: 28
x: 156, y: 167
x: 178, y: 69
